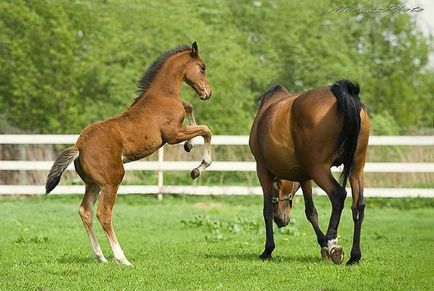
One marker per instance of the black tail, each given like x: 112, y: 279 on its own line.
x: 348, y: 101
x: 60, y: 164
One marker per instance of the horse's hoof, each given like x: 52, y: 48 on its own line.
x: 352, y: 262
x: 195, y: 173
x: 188, y: 147
x: 265, y: 256
x: 325, y: 253
x: 336, y: 254
x: 355, y: 259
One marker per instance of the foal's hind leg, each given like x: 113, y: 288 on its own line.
x: 104, y: 214
x: 337, y: 194
x: 266, y: 181
x: 86, y: 213
x: 312, y: 216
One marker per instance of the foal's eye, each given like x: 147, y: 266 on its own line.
x: 202, y: 69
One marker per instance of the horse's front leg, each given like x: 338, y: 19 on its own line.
x: 266, y: 181
x: 184, y: 133
x: 188, y: 108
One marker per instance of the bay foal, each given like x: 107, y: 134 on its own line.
x: 299, y: 137
x: 155, y: 118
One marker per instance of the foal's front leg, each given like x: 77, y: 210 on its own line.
x: 184, y: 133
x: 188, y: 108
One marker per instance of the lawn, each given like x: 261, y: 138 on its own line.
x: 211, y: 243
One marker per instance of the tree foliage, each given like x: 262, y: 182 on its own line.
x: 64, y: 64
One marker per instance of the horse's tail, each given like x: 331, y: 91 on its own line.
x: 60, y: 164
x: 348, y: 101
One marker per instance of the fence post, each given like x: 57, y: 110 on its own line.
x: 22, y: 157
x: 160, y: 173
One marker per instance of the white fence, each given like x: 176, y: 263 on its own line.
x: 162, y: 166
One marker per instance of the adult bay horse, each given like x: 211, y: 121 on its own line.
x: 153, y: 119
x: 299, y: 137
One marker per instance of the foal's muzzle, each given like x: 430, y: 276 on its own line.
x: 205, y: 95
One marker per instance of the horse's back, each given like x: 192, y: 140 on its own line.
x: 271, y: 138
x: 297, y: 131
x: 273, y: 95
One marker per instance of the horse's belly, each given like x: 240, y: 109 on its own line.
x: 284, y: 165
x: 140, y: 152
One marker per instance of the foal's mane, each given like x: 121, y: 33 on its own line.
x: 145, y: 81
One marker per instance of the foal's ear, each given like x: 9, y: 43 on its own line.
x: 194, y: 50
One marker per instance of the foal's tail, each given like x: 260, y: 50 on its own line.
x: 60, y: 164
x: 348, y: 101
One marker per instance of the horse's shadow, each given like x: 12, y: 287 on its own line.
x: 279, y: 259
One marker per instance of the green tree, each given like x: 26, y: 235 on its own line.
x: 65, y: 64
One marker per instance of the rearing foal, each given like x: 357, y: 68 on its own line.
x: 154, y: 118
x: 299, y: 137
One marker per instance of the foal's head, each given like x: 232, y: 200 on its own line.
x: 194, y: 74
x: 283, y: 192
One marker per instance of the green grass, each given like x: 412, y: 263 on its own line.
x: 211, y: 243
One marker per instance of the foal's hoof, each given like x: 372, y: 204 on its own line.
x: 195, y: 173
x: 101, y: 259
x: 124, y: 262
x: 325, y: 253
x: 336, y: 254
x: 188, y: 147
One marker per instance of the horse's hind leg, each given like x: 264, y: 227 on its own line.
x: 104, y: 214
x: 358, y: 209
x: 266, y: 181
x: 337, y: 194
x: 86, y: 213
x: 312, y: 217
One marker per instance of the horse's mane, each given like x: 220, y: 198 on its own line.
x: 273, y: 90
x: 145, y: 81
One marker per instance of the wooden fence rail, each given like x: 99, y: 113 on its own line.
x: 162, y: 166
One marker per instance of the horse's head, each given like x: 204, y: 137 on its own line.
x: 283, y: 192
x: 194, y: 74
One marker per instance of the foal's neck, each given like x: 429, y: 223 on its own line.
x: 168, y: 80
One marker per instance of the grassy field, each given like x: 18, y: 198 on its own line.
x: 211, y: 243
